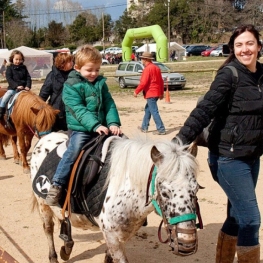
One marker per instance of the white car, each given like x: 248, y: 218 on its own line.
x: 105, y: 62
x: 112, y: 50
x: 218, y: 52
x: 128, y: 74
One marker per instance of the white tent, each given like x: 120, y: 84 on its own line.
x: 38, y: 62
x: 180, y: 51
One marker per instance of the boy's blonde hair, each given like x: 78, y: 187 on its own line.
x: 86, y: 54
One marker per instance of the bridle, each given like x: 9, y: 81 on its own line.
x: 35, y: 130
x: 179, y: 246
x: 37, y: 133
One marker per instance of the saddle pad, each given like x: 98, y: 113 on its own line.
x: 43, y: 178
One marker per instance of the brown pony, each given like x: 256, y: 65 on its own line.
x: 30, y: 115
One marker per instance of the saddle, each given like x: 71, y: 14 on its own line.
x: 88, y: 191
x: 9, y: 109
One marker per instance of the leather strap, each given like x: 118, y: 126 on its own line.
x: 72, y: 176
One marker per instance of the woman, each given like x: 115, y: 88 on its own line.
x: 53, y: 85
x: 235, y: 143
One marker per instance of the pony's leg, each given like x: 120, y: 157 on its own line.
x: 25, y: 144
x: 15, y: 149
x: 2, y: 150
x: 115, y: 248
x: 47, y: 215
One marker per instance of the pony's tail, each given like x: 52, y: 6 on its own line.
x: 5, y: 139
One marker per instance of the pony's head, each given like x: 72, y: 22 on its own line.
x: 174, y: 194
x: 30, y: 109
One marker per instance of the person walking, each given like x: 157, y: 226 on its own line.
x: 17, y: 76
x: 90, y: 110
x: 235, y: 143
x: 53, y: 86
x: 152, y: 86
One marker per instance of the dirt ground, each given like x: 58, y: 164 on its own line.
x: 21, y: 232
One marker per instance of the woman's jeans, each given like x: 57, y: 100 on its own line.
x: 238, y: 179
x: 6, y: 97
x: 151, y: 108
x: 76, y: 142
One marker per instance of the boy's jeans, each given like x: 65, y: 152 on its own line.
x: 76, y: 142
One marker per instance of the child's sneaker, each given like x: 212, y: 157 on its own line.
x: 54, y: 195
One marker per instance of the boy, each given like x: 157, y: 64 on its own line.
x: 90, y: 109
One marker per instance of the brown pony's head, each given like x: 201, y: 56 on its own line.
x: 30, y: 110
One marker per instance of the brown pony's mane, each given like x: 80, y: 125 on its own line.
x: 30, y: 109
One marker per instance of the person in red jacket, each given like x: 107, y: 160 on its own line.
x: 151, y: 83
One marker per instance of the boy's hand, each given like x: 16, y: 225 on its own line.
x: 102, y: 129
x: 115, y: 130
x: 27, y: 88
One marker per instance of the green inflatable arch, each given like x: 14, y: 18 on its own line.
x: 154, y: 31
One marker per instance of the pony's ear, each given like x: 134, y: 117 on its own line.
x: 156, y: 156
x: 193, y: 149
x: 35, y: 111
x: 57, y: 111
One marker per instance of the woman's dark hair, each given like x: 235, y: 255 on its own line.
x: 16, y: 52
x: 238, y: 31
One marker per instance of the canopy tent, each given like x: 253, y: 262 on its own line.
x: 38, y: 62
x: 180, y: 51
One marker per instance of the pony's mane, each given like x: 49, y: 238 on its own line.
x: 46, y: 116
x: 131, y: 159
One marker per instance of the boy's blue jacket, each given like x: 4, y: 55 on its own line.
x: 88, y: 105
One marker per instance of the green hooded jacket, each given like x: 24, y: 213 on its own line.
x: 88, y: 105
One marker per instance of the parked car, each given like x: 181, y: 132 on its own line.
x: 196, y: 50
x: 105, y: 62
x: 128, y: 74
x: 218, y: 52
x: 207, y: 52
x: 226, y: 50
x: 112, y: 50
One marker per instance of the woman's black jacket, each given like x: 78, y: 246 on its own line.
x: 52, y: 91
x: 237, y: 127
x: 17, y: 76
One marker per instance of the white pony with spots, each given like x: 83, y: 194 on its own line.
x: 128, y: 201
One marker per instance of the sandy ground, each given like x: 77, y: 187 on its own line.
x: 21, y: 232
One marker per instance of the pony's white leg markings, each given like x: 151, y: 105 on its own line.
x: 115, y: 247
x: 46, y: 215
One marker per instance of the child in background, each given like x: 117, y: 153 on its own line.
x: 17, y: 77
x: 90, y: 110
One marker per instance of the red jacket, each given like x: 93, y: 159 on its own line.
x: 151, y: 82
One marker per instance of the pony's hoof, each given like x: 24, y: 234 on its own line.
x: 16, y: 161
x: 63, y: 254
x: 108, y: 258
x: 3, y: 157
x: 26, y: 171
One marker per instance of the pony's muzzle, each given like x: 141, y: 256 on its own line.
x: 183, y: 241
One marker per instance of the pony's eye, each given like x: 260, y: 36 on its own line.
x: 165, y: 195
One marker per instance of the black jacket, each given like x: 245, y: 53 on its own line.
x: 52, y: 91
x: 17, y: 76
x: 237, y: 128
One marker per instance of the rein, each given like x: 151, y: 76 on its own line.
x: 37, y: 133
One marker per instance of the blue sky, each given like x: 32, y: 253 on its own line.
x: 41, y: 12
x: 114, y: 7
